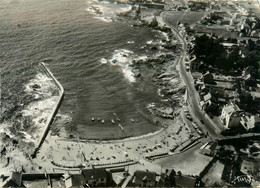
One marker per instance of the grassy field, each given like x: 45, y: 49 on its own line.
x: 217, y: 31
x: 184, y: 17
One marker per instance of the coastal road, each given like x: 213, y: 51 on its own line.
x: 193, y: 101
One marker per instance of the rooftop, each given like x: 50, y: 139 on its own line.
x: 185, y: 181
x: 94, y: 173
x: 143, y: 175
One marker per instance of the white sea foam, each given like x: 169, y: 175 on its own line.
x: 124, y: 9
x: 155, y: 42
x: 4, y: 128
x: 144, y: 57
x: 123, y: 58
x: 107, y: 12
x: 128, y: 74
x: 103, y: 61
x: 130, y: 42
x: 44, y: 83
x: 39, y: 112
x: 149, y: 42
x: 96, y: 9
x: 41, y: 87
x: 28, y: 138
x: 104, y: 19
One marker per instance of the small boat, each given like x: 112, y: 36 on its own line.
x: 120, y: 126
x: 93, y: 119
x: 112, y: 121
x: 103, y: 121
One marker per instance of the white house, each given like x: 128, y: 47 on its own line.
x: 230, y: 116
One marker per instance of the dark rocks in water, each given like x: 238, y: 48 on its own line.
x: 138, y: 24
x: 132, y: 64
x: 137, y: 73
x: 169, y: 56
x: 35, y: 86
x: 71, y: 136
x: 114, y: 61
x: 165, y: 29
x: 161, y: 61
x: 162, y: 56
x: 154, y: 48
x: 5, y: 137
x: 169, y: 46
x: 153, y: 23
x: 15, y: 142
x: 3, y: 151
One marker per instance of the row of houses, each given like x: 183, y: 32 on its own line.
x: 103, y: 178
x: 218, y: 97
x: 85, y: 178
x: 170, y: 178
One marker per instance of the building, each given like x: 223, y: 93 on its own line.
x: 250, y: 81
x: 95, y: 177
x: 74, y: 181
x: 194, y: 65
x: 245, y: 122
x: 250, y: 122
x: 255, y: 120
x: 87, y: 178
x: 208, y: 78
x: 209, y: 148
x: 14, y: 180
x: 217, y: 92
x: 230, y: 116
x: 207, y: 97
x: 164, y: 181
x: 144, y: 179
x: 185, y: 181
x: 171, y: 174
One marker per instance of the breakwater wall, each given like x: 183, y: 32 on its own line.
x: 54, y: 111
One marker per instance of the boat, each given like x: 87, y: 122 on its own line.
x: 112, y: 121
x: 120, y: 126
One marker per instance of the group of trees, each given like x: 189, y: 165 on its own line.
x: 211, y: 51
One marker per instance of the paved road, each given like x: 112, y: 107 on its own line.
x: 192, y: 97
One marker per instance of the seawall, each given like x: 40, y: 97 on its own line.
x: 54, y: 112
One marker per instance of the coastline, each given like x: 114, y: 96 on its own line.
x: 165, y: 75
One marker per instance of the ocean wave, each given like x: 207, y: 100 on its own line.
x: 103, y: 61
x: 5, y: 128
x: 40, y: 86
x: 108, y: 12
x: 123, y: 58
x: 104, y: 19
x: 39, y: 112
x: 96, y: 9
x: 124, y: 10
x: 130, y: 42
